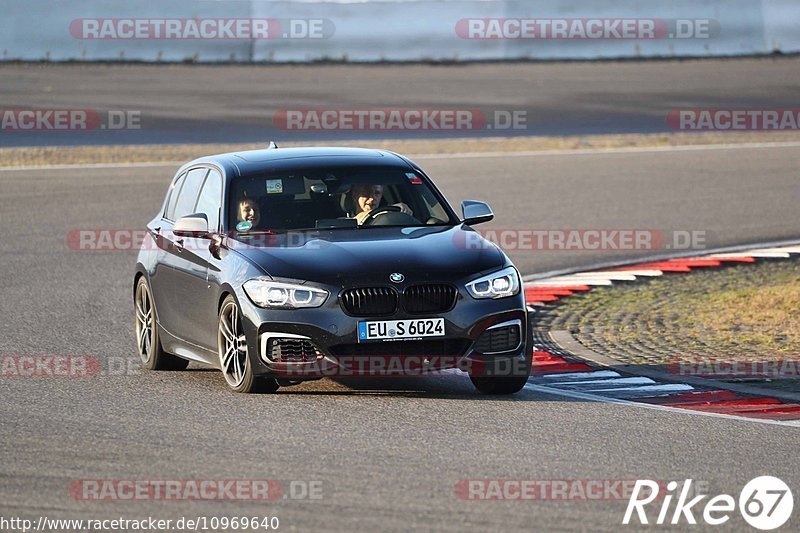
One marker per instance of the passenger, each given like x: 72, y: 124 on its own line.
x: 249, y: 212
x: 367, y: 197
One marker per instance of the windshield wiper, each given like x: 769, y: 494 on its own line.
x: 405, y: 226
x: 260, y: 232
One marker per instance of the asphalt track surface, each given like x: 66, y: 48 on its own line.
x: 389, y: 453
x: 194, y: 103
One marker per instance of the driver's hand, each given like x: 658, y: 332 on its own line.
x: 404, y: 209
x: 361, y: 216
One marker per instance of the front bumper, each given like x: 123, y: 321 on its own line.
x: 334, y: 335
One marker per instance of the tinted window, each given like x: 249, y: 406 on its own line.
x: 169, y: 214
x: 188, y: 194
x: 211, y: 199
x: 328, y: 198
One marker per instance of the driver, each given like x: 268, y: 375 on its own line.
x: 368, y: 197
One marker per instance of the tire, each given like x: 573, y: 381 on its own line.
x: 499, y: 386
x: 234, y: 360
x: 148, y: 342
x: 504, y: 382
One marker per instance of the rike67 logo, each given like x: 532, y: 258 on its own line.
x: 765, y: 503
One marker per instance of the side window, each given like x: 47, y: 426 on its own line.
x: 188, y: 195
x: 435, y: 209
x: 169, y: 213
x: 210, y: 199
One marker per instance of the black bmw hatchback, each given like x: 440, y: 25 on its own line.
x: 282, y: 265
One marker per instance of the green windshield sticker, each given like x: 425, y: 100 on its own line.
x: 274, y: 186
x: 244, y: 226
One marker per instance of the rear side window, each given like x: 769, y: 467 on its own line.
x: 210, y: 199
x: 169, y: 214
x: 187, y: 197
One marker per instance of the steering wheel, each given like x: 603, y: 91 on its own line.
x: 379, y: 211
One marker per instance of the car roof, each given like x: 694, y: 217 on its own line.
x: 274, y: 159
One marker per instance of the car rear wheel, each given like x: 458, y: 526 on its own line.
x: 232, y: 349
x: 148, y: 343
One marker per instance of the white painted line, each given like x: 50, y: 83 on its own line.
x: 469, y: 155
x: 613, y: 276
x: 567, y: 281
x: 577, y: 395
x: 582, y: 375
x: 588, y: 280
x: 560, y: 281
x: 790, y: 249
x: 724, y: 256
x: 771, y: 255
x: 607, y: 151
x: 617, y: 381
x: 765, y: 252
x: 667, y: 387
x: 644, y: 273
x: 777, y: 250
x: 763, y: 255
x: 771, y: 252
x: 95, y: 165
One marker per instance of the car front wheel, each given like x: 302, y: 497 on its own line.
x: 232, y: 349
x: 499, y: 385
x: 502, y: 377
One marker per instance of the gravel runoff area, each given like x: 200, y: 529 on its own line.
x: 75, y: 155
x: 736, y: 323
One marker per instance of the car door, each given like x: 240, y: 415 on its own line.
x: 180, y: 271
x: 205, y: 288
x: 160, y: 230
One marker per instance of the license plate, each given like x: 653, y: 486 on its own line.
x: 400, y: 329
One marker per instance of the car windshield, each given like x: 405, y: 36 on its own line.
x: 334, y: 198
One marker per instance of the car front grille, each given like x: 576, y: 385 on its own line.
x: 417, y: 299
x: 502, y: 339
x: 369, y: 301
x: 430, y: 298
x: 287, y: 350
x: 424, y: 348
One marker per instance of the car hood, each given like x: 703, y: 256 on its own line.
x: 367, y: 255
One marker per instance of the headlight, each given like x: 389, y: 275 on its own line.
x: 275, y: 295
x: 498, y: 285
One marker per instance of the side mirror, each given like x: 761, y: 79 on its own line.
x: 476, y: 212
x: 195, y: 225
